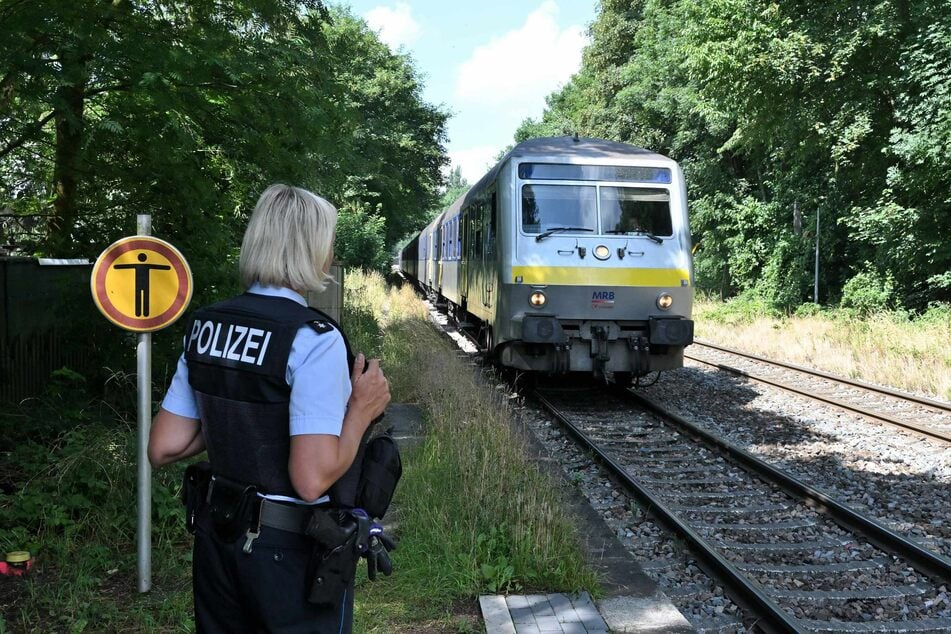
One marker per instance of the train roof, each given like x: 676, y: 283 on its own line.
x: 582, y: 147
x: 552, y: 147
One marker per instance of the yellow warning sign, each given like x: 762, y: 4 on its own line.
x: 141, y: 283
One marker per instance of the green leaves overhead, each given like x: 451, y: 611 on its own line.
x: 188, y: 110
x: 839, y: 108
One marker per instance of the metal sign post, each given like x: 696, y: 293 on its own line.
x: 143, y: 355
x: 142, y: 284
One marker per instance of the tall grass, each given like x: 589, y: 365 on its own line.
x: 887, y: 348
x: 475, y: 514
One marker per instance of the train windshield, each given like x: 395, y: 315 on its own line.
x: 635, y: 210
x: 546, y: 207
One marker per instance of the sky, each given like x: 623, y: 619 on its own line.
x: 490, y: 63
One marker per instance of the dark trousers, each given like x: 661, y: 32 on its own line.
x: 264, y: 591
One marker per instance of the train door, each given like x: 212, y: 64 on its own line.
x: 464, y: 258
x: 487, y: 211
x: 440, y: 252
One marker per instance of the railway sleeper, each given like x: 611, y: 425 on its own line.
x: 916, y: 626
x: 729, y: 510
x: 815, y: 569
x: 869, y: 594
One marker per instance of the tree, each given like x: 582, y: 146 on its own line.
x: 395, y: 153
x: 836, y: 108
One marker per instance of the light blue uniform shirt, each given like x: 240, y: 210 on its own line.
x: 316, y: 371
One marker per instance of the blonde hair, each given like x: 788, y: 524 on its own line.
x: 288, y: 240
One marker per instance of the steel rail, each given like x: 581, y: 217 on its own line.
x: 945, y: 407
x: 926, y: 431
x: 932, y: 563
x: 772, y: 617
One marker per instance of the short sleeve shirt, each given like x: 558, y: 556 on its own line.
x: 316, y: 371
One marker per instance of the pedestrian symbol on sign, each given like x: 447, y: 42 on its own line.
x: 142, y: 282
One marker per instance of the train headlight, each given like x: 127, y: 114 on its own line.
x: 537, y: 299
x: 664, y: 301
x: 602, y: 252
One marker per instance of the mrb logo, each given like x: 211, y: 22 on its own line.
x: 602, y: 299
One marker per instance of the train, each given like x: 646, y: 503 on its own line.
x: 570, y: 255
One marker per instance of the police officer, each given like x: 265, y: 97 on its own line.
x: 264, y: 385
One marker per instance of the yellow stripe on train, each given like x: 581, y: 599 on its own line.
x: 591, y: 276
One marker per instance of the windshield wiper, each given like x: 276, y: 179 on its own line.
x: 646, y: 234
x: 553, y: 230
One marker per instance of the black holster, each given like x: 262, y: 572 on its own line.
x: 195, y: 492
x: 233, y: 507
x: 333, y: 560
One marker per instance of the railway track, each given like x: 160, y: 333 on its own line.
x: 924, y: 416
x: 793, y: 557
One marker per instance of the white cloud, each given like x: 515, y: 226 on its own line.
x: 517, y: 70
x: 474, y: 161
x: 395, y: 25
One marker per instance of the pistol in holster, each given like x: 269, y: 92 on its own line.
x: 337, y: 548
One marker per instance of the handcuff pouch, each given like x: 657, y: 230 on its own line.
x: 195, y: 491
x: 233, y: 507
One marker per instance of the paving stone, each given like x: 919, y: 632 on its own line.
x: 540, y: 605
x: 588, y: 612
x: 516, y: 601
x: 495, y: 613
x: 522, y: 615
x: 548, y: 624
x: 564, y: 611
x: 573, y: 628
x: 524, y: 628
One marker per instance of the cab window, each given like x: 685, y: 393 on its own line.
x: 635, y: 209
x: 546, y: 207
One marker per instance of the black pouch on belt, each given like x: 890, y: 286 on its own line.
x: 195, y: 491
x: 380, y: 473
x: 233, y: 507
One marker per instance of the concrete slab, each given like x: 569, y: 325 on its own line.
x: 648, y: 615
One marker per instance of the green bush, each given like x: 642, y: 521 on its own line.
x: 742, y: 309
x: 809, y: 309
x: 869, y: 292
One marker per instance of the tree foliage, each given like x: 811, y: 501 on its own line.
x: 187, y: 110
x: 837, y: 108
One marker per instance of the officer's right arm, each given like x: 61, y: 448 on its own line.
x: 318, y: 460
x: 174, y: 437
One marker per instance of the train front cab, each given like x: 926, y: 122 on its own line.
x: 594, y: 301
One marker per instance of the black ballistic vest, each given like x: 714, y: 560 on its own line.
x: 237, y: 353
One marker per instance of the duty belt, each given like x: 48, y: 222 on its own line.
x: 285, y: 517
